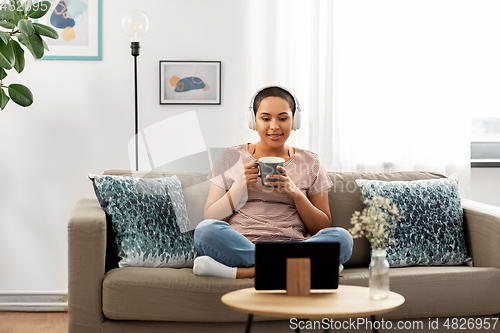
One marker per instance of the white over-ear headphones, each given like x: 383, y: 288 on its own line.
x: 296, y: 115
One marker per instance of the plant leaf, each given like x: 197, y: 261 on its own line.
x: 11, y: 11
x: 33, y: 43
x: 4, y: 37
x: 7, y: 25
x: 7, y: 57
x: 26, y: 27
x: 4, y: 99
x: 20, y: 8
x: 39, y: 9
x: 27, y: 6
x: 20, y: 94
x: 45, y: 30
x: 3, y: 74
x: 19, y: 56
x: 45, y: 46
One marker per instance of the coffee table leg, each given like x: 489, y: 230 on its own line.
x: 249, y: 323
x: 297, y: 329
x: 373, y: 319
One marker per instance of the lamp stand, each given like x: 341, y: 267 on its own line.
x: 134, y: 46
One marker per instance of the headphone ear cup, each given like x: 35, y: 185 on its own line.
x: 296, y: 120
x: 251, y: 119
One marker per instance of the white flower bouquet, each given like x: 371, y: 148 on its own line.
x: 377, y: 222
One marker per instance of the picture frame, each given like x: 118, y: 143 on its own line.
x: 79, y: 25
x: 190, y: 82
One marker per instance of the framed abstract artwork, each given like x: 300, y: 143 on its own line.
x: 79, y: 24
x: 190, y: 82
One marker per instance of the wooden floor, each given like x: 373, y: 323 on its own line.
x: 33, y: 322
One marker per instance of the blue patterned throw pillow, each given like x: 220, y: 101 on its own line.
x: 149, y: 219
x: 432, y: 231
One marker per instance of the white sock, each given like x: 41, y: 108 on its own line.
x: 206, y: 266
x: 341, y: 268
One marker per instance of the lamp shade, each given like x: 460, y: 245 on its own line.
x: 135, y: 24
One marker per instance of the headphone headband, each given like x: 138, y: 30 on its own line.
x: 296, y: 114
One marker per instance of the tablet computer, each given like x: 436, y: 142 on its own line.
x: 270, y: 263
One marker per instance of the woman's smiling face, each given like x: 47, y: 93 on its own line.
x: 274, y: 121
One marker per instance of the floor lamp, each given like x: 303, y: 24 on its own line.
x: 136, y: 24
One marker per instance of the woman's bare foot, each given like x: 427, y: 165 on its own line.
x: 245, y: 272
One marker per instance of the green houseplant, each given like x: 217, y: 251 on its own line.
x: 17, y: 27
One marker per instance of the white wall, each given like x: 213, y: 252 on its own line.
x: 83, y: 118
x: 485, y: 185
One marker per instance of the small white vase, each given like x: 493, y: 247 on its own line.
x: 379, y: 275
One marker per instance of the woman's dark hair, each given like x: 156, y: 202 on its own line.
x: 274, y: 92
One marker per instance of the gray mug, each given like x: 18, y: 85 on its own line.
x: 268, y: 166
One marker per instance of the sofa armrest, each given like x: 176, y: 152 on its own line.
x: 482, y: 230
x: 86, y: 266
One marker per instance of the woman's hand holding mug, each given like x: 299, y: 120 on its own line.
x: 282, y: 183
x: 250, y: 173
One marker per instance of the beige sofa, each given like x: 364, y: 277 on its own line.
x: 107, y: 299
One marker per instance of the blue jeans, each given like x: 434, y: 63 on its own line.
x: 218, y: 240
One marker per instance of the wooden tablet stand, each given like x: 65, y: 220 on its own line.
x: 298, y: 276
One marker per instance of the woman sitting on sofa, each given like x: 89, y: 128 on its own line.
x: 241, y: 211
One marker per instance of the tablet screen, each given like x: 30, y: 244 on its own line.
x: 270, y: 263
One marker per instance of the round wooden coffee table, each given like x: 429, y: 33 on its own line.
x: 344, y: 302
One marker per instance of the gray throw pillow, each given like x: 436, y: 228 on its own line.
x: 432, y: 231
x: 149, y: 219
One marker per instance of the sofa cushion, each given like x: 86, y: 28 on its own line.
x: 194, y: 188
x: 438, y: 291
x: 345, y: 198
x: 137, y: 293
x: 149, y: 219
x: 432, y: 231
